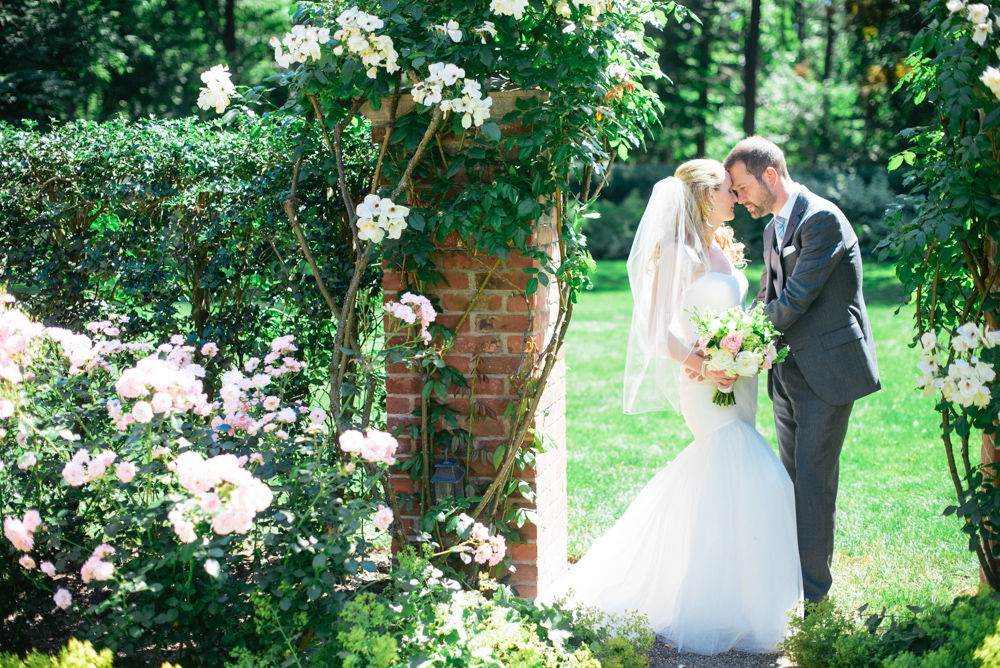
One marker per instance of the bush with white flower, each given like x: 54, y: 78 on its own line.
x: 945, y: 254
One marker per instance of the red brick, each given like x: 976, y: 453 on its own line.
x: 502, y: 364
x: 523, y: 551
x: 395, y: 403
x: 391, y: 282
x: 454, y: 280
x: 461, y: 362
x: 526, y: 591
x: 526, y: 573
x: 477, y: 344
x: 402, y: 484
x: 453, y: 240
x: 453, y: 259
x: 502, y: 323
x: 403, y: 385
x: 489, y: 428
x: 502, y: 280
x: 518, y: 261
x: 516, y: 343
x: 451, y: 322
x: 516, y: 303
x: 460, y: 302
x: 491, y: 386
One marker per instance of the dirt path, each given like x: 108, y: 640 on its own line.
x: 664, y: 656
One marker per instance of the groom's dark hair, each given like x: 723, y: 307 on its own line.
x: 757, y: 154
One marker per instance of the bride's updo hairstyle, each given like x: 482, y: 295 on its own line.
x: 701, y: 177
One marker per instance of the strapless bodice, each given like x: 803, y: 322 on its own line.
x: 715, y: 290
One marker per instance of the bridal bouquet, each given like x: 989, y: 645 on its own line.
x: 739, y: 342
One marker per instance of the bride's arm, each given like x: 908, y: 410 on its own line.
x: 690, y: 359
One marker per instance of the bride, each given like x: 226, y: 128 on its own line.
x: 708, y: 549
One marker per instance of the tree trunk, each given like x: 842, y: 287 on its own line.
x: 830, y: 36
x: 751, y: 49
x: 705, y: 66
x: 229, y: 29
x: 800, y: 22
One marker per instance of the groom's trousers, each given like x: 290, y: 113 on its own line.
x: 810, y: 437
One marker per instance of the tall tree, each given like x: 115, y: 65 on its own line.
x: 751, y: 50
x: 831, y: 37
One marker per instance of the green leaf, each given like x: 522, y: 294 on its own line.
x: 532, y: 286
x: 491, y: 131
x: 498, y: 456
x: 895, y: 161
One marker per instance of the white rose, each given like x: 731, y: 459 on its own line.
x: 980, y: 32
x: 979, y: 13
x: 991, y: 77
x: 955, y: 6
x: 723, y: 360
x: 747, y: 363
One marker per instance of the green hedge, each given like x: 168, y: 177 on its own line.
x: 178, y: 225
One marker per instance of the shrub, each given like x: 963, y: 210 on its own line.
x: 962, y: 634
x: 157, y: 514
x: 76, y: 654
x: 830, y: 637
x: 179, y: 225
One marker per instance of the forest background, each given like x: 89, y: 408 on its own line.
x: 816, y: 76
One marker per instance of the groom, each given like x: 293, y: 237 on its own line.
x: 811, y: 291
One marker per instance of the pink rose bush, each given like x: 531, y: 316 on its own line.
x: 373, y: 446
x: 172, y: 480
x: 411, y: 308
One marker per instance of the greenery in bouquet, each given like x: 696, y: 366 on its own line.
x: 738, y: 342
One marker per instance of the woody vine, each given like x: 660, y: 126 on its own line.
x: 580, y: 64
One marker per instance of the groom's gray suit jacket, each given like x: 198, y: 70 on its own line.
x: 812, y: 295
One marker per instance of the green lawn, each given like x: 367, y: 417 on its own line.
x: 894, y: 548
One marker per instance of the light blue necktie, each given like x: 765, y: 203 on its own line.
x: 779, y: 231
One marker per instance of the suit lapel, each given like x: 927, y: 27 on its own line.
x: 768, y: 257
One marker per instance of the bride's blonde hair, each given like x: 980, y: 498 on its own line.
x: 702, y: 177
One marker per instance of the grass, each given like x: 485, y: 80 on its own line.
x: 893, y: 546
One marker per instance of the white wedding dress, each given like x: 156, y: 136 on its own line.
x: 708, y: 549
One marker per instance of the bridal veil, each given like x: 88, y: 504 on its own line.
x: 667, y: 255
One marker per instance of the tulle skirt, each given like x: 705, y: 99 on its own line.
x: 708, y: 549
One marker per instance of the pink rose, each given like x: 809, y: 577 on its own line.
x: 702, y: 342
x: 48, y: 569
x: 27, y: 562
x: 479, y: 532
x: 352, y: 441
x: 18, y: 534
x: 732, y: 342
x: 125, y: 472
x: 6, y: 408
x: 383, y: 518
x: 63, y: 598
x: 32, y: 520
x: 210, y: 350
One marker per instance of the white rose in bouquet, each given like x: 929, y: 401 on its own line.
x: 747, y: 363
x: 722, y: 361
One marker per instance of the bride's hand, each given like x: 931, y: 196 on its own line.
x: 694, y: 365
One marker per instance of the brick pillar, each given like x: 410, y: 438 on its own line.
x: 490, y: 342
